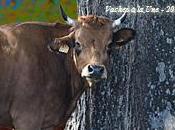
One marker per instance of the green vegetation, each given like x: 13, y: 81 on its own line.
x: 36, y: 10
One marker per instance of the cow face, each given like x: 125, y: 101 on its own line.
x: 91, y: 41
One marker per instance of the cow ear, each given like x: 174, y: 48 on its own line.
x: 122, y: 36
x: 62, y: 44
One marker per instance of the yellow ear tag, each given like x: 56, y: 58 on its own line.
x: 64, y: 48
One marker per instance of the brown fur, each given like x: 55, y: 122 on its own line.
x: 93, y: 21
x: 38, y: 89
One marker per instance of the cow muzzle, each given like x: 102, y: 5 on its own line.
x: 94, y: 73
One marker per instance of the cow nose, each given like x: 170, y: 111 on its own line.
x: 90, y: 69
x: 96, y: 70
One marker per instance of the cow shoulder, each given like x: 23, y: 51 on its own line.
x: 31, y: 34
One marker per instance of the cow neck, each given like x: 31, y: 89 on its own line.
x: 78, y: 85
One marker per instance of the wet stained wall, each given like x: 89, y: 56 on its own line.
x: 140, y: 91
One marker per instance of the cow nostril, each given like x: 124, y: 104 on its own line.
x: 101, y: 69
x: 90, y: 69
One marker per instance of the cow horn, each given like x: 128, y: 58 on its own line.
x: 119, y: 20
x: 66, y: 18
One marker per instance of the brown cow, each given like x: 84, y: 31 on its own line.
x: 39, y: 89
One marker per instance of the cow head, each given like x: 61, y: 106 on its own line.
x: 91, y: 40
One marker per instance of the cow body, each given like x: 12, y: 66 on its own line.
x: 38, y: 89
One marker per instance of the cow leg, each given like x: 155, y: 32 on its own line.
x: 24, y: 123
x: 27, y: 121
x: 26, y: 126
x: 50, y: 128
x: 54, y: 128
x: 27, y: 111
x: 60, y: 127
x: 2, y: 128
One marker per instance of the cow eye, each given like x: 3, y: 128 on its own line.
x: 78, y: 48
x: 109, y: 47
x: 77, y: 45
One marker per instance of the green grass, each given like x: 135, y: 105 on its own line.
x: 40, y: 10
